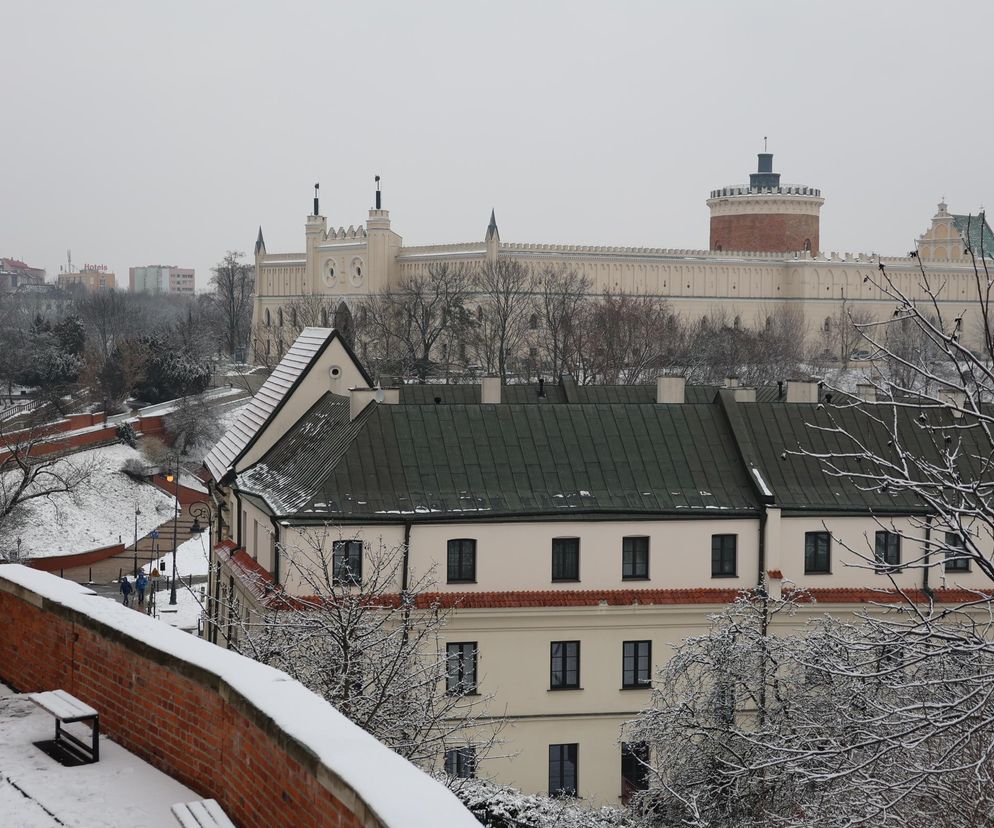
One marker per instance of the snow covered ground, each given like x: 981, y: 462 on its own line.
x: 119, y: 791
x: 100, y: 514
x: 192, y: 556
x: 189, y: 606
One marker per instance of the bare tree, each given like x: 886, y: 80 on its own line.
x: 373, y: 650
x: 839, y: 723
x: 233, y: 283
x: 505, y: 305
x: 561, y: 294
x: 28, y: 473
x: 420, y: 318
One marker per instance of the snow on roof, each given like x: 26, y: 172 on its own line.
x: 397, y: 792
x: 267, y: 400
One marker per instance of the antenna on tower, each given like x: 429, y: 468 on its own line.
x: 377, y: 192
x: 317, y: 212
x: 764, y: 143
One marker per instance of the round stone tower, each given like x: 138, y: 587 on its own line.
x: 766, y: 216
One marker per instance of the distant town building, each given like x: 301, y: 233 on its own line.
x: 16, y: 274
x: 91, y: 277
x: 160, y: 279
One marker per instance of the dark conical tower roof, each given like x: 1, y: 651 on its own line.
x: 260, y: 243
x: 492, y: 227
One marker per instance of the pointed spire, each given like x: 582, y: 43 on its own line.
x: 492, y: 228
x: 260, y: 243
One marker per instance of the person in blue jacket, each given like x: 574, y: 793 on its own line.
x: 141, y: 584
x: 126, y: 590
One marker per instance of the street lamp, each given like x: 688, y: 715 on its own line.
x: 202, y: 509
x: 138, y: 511
x: 170, y: 478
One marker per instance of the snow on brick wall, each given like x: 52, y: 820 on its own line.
x: 270, y: 751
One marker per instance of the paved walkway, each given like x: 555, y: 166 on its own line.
x: 149, y: 550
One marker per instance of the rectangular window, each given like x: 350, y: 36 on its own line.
x: 565, y: 559
x: 955, y: 553
x: 460, y: 668
x: 565, y: 665
x: 461, y: 561
x: 634, y: 769
x: 723, y: 556
x: 564, y: 769
x: 636, y: 664
x: 887, y: 550
x: 817, y: 556
x: 634, y: 558
x: 460, y: 763
x: 346, y: 562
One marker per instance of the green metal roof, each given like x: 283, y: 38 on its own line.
x: 509, y: 460
x: 977, y: 233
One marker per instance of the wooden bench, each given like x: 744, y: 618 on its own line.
x: 203, y: 814
x: 67, y: 709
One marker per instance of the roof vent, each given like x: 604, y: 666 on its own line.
x: 671, y: 389
x: 731, y: 382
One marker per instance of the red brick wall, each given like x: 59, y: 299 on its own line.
x: 56, y: 562
x: 764, y: 233
x: 172, y: 714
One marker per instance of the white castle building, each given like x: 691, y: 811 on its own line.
x: 764, y: 253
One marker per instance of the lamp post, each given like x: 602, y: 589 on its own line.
x: 202, y: 509
x: 170, y: 478
x: 138, y: 511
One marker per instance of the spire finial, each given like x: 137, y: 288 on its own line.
x: 377, y: 178
x: 317, y: 211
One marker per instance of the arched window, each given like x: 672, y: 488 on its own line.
x: 827, y: 326
x: 807, y: 244
x: 279, y: 317
x: 533, y: 322
x: 769, y: 323
x: 269, y: 319
x: 293, y: 317
x: 737, y: 323
x: 717, y: 248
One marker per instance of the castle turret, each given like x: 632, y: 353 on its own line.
x: 492, y: 238
x: 766, y: 216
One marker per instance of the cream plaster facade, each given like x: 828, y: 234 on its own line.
x: 513, y: 610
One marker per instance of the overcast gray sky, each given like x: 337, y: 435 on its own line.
x: 145, y: 133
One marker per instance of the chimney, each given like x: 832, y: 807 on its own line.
x: 731, y: 382
x: 779, y: 390
x: 541, y: 387
x: 671, y: 389
x: 866, y: 391
x: 743, y: 394
x: 490, y: 390
x: 802, y: 391
x: 955, y: 398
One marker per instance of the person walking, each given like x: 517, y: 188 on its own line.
x: 141, y: 584
x: 126, y: 590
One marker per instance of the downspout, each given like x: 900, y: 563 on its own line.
x: 238, y: 519
x: 276, y: 550
x: 761, y: 582
x: 404, y: 578
x: 928, y: 552
x: 407, y: 556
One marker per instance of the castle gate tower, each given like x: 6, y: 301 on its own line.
x: 766, y: 216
